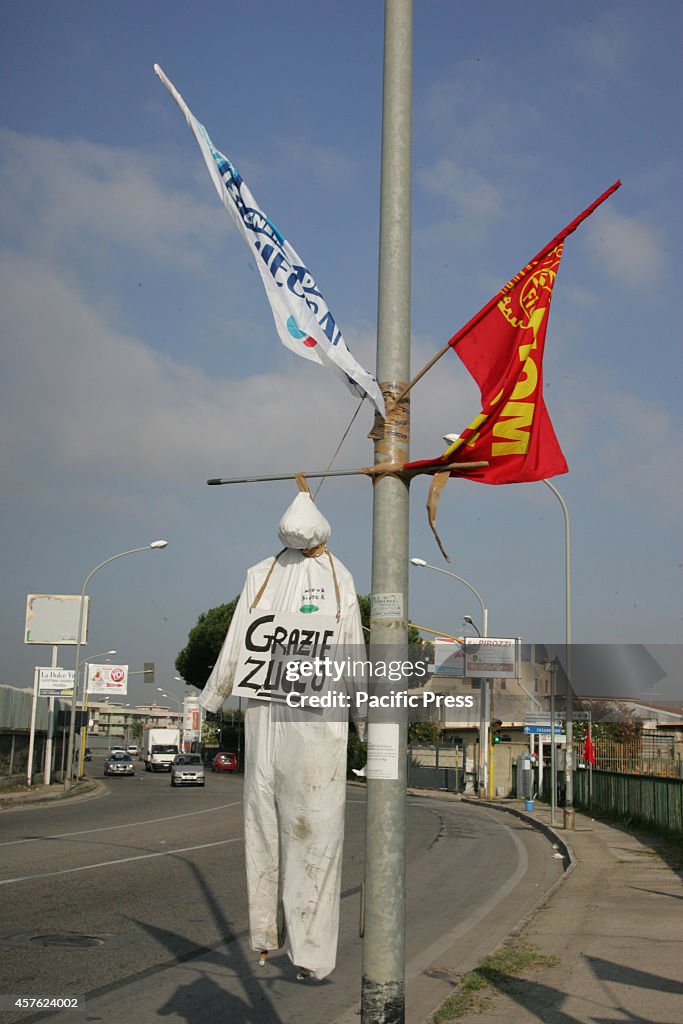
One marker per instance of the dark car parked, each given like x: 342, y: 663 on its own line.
x: 224, y: 762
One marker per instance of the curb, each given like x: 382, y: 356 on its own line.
x: 568, y: 855
x: 569, y: 860
x: 28, y: 799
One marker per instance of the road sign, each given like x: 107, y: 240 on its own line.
x: 543, y: 730
x: 543, y: 718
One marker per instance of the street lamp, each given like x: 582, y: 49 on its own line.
x: 484, y: 709
x: 470, y: 622
x: 156, y: 545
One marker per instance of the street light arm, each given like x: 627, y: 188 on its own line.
x: 480, y: 599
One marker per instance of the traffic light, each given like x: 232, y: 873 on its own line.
x: 497, y: 727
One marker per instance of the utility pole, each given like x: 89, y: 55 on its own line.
x: 383, y: 984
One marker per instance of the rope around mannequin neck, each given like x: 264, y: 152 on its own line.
x: 321, y: 549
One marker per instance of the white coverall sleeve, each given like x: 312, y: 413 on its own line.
x: 219, y: 684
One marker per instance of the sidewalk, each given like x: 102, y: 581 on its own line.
x: 40, y: 794
x: 614, y: 925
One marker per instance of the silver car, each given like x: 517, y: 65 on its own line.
x: 119, y: 763
x: 187, y: 770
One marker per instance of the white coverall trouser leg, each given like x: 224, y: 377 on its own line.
x: 294, y: 796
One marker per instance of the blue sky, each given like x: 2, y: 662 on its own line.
x: 139, y: 358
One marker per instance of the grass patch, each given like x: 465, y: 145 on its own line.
x: 493, y: 974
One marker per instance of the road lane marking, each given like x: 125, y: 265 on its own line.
x: 130, y: 824
x: 427, y: 957
x: 420, y: 963
x: 122, y: 860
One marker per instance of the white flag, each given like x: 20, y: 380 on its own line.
x: 302, y: 317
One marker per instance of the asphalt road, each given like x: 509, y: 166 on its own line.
x: 135, y: 901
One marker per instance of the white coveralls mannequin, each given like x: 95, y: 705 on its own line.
x: 295, y: 770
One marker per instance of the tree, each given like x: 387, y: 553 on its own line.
x: 611, y: 720
x: 204, y: 642
x: 137, y: 729
x: 424, y: 733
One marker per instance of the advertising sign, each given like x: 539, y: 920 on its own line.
x: 272, y: 643
x: 491, y: 656
x: 55, y: 682
x: 53, y: 619
x: 110, y: 679
x: 449, y: 657
x: 191, y: 720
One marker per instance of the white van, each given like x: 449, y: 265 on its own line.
x: 132, y: 749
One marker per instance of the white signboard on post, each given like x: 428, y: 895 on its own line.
x: 53, y: 619
x: 491, y: 657
x: 273, y: 643
x: 110, y: 679
x: 192, y: 720
x: 55, y: 682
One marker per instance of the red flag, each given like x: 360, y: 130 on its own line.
x: 504, y: 353
x: 588, y: 750
x: 502, y: 347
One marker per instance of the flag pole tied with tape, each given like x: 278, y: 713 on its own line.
x: 302, y: 317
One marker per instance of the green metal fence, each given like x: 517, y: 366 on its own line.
x: 652, y: 800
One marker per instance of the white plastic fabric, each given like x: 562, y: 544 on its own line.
x: 303, y: 525
x: 295, y: 771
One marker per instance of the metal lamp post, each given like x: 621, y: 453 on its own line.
x: 484, y: 715
x: 569, y: 814
x: 171, y: 696
x: 156, y: 545
x: 86, y: 664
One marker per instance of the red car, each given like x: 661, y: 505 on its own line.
x: 223, y: 762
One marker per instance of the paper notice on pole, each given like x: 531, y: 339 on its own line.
x: 386, y: 606
x: 382, y: 751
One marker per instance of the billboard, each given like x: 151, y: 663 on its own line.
x: 111, y: 679
x: 53, y: 619
x: 491, y: 657
x: 192, y: 721
x: 55, y: 682
x: 449, y: 657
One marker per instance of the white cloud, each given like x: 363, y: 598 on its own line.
x: 603, y: 47
x: 328, y: 164
x: 631, y: 251
x: 468, y: 193
x: 62, y: 197
x: 624, y: 443
x: 640, y: 456
x: 81, y: 397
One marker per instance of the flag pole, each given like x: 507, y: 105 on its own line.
x: 378, y: 469
x: 570, y: 228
